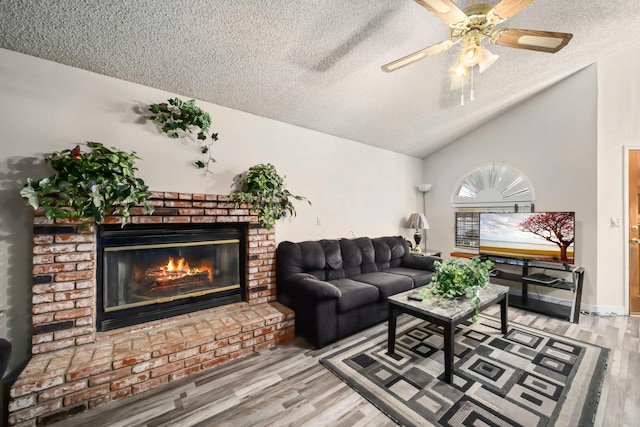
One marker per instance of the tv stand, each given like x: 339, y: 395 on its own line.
x: 527, y: 272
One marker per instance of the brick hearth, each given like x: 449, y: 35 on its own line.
x: 75, y: 368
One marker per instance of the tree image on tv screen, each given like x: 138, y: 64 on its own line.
x: 555, y: 227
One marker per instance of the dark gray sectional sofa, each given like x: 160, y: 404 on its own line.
x: 338, y: 287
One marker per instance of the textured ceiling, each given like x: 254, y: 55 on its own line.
x: 314, y: 64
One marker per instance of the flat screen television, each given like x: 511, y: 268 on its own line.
x: 539, y: 236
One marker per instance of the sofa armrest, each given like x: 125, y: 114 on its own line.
x: 310, y: 287
x: 419, y: 262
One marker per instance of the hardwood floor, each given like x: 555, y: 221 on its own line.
x: 287, y: 386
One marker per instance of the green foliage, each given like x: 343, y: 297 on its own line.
x: 175, y: 115
x: 455, y: 278
x: 88, y: 185
x: 264, y: 190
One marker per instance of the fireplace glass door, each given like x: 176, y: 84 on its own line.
x: 150, y: 274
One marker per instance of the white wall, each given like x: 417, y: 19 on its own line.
x: 618, y: 126
x: 356, y: 190
x: 551, y: 138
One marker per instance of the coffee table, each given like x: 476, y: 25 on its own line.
x: 446, y: 313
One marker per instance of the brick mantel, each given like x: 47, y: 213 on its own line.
x: 74, y: 368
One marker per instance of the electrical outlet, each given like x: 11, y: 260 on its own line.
x: 318, y: 220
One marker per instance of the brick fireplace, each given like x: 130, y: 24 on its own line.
x: 75, y: 367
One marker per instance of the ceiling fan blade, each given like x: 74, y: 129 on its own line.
x: 445, y: 10
x: 416, y: 56
x: 541, y: 41
x: 506, y: 9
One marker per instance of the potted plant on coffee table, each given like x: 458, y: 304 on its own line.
x: 459, y: 279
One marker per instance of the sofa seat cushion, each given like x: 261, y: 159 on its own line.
x: 419, y: 277
x: 354, y: 294
x: 388, y: 284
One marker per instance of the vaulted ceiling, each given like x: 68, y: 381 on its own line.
x: 315, y: 64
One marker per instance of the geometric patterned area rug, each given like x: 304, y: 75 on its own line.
x: 525, y: 378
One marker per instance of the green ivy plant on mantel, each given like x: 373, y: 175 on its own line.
x: 89, y: 184
x: 175, y: 115
x: 263, y: 189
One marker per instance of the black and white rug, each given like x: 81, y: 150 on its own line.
x: 527, y: 377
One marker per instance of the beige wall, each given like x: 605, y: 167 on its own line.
x: 551, y: 139
x: 618, y: 130
x: 356, y: 190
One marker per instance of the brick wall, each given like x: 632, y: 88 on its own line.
x: 73, y: 368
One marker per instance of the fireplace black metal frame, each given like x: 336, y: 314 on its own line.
x: 135, y: 234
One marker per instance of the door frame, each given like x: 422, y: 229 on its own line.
x: 626, y: 222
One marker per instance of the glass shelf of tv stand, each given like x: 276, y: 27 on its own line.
x: 558, y: 283
x: 569, y: 278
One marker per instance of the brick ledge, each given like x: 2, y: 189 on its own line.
x: 61, y: 383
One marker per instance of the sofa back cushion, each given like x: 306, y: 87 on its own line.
x: 389, y: 251
x: 338, y: 259
x: 303, y: 257
x: 333, y: 260
x: 358, y: 256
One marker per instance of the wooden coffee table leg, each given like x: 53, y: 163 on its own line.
x: 449, y: 339
x: 391, y: 337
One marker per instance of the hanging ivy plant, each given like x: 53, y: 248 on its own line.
x: 89, y: 184
x: 263, y: 189
x: 175, y: 115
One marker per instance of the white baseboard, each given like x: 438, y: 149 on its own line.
x: 604, y: 310
x: 593, y: 309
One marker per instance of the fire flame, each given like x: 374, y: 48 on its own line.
x: 179, y: 268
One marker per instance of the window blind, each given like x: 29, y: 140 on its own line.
x: 467, y: 224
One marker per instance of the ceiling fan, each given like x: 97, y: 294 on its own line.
x: 471, y: 26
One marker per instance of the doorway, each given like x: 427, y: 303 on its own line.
x: 634, y: 230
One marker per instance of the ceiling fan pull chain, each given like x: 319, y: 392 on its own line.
x: 472, y: 96
x: 462, y: 94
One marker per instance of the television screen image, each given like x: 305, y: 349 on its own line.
x: 540, y: 236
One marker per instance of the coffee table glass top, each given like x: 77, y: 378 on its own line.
x: 448, y: 309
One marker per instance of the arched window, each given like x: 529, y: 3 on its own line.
x: 492, y: 187
x: 492, y: 183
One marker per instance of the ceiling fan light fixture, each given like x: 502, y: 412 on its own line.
x: 487, y: 59
x: 460, y: 70
x: 471, y: 54
x: 456, y: 82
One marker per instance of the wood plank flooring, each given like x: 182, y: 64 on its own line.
x: 287, y: 386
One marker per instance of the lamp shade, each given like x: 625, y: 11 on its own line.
x: 424, y: 187
x: 417, y: 221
